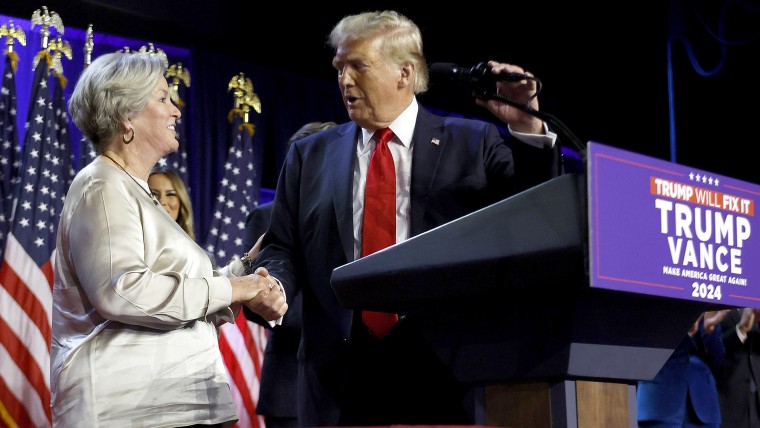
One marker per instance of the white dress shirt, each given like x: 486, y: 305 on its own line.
x: 401, y: 149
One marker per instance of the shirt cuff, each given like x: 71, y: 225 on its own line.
x: 233, y: 269
x: 278, y: 321
x: 742, y: 336
x: 219, y: 298
x: 546, y: 140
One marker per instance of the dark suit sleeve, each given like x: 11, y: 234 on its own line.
x: 534, y: 165
x: 257, y: 223
x: 712, y: 350
x: 731, y: 340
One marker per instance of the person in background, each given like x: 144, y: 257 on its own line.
x: 279, y: 370
x: 443, y: 168
x: 170, y: 191
x: 136, y: 302
x: 738, y: 377
x: 684, y: 393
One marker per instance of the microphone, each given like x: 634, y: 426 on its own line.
x: 483, y: 84
x: 478, y: 76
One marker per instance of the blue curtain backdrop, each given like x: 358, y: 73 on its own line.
x: 288, y: 101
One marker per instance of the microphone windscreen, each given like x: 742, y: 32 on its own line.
x: 442, y: 71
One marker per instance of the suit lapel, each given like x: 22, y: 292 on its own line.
x: 342, y: 157
x: 428, y: 141
x: 428, y: 144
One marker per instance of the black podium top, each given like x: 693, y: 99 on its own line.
x: 503, y: 293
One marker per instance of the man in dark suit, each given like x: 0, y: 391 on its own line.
x: 684, y: 392
x: 444, y: 168
x: 738, y: 377
x: 279, y: 370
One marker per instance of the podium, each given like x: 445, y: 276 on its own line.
x: 503, y: 297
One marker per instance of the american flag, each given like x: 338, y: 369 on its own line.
x: 87, y: 153
x: 10, y: 150
x: 26, y: 276
x: 242, y: 344
x: 61, y: 126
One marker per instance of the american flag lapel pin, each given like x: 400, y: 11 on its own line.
x: 435, y: 141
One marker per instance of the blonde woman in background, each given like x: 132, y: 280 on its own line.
x: 170, y: 191
x: 169, y: 188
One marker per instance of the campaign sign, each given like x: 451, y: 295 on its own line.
x: 664, y: 229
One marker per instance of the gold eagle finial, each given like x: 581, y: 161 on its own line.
x: 237, y: 86
x: 12, y: 32
x: 243, y: 91
x: 245, y: 98
x: 176, y: 73
x: 251, y: 99
x: 57, y: 47
x: 46, y: 20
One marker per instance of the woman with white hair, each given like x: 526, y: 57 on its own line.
x: 136, y: 302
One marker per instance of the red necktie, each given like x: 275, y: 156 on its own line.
x: 379, y: 227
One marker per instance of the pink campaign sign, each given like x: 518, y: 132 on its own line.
x: 664, y: 229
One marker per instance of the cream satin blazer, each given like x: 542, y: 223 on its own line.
x: 136, y: 305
